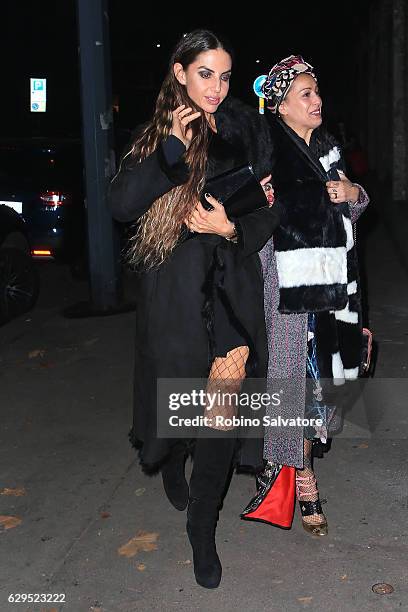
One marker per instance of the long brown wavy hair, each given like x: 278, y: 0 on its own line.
x: 158, y: 230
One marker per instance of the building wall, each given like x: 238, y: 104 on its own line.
x: 383, y: 108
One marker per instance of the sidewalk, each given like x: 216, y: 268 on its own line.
x: 66, y: 406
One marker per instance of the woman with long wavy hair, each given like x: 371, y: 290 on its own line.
x: 200, y: 292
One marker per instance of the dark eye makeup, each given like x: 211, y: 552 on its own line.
x: 206, y: 75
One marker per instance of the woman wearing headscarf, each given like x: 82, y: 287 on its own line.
x: 312, y: 295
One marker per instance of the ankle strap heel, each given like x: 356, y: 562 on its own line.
x: 306, y: 486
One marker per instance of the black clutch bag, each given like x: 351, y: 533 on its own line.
x: 238, y: 190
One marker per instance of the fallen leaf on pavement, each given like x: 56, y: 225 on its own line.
x: 36, y: 353
x: 382, y: 588
x: 140, y: 492
x: 141, y: 567
x: 363, y: 445
x: 305, y: 600
x: 105, y: 515
x: 143, y: 542
x: 9, y: 522
x: 18, y: 492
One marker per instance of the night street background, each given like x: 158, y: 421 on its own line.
x: 77, y: 516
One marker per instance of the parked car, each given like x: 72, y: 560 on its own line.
x: 42, y: 179
x: 19, y: 284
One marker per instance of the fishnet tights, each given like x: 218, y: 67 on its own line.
x: 225, y: 379
x: 306, y: 490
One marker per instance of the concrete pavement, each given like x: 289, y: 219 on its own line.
x: 77, y: 516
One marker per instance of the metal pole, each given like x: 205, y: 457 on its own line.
x: 98, y: 152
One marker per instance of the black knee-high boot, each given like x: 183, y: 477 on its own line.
x: 212, y: 464
x: 174, y: 479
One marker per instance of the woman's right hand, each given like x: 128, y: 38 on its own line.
x: 213, y: 221
x: 182, y: 117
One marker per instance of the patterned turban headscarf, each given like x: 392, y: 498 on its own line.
x: 281, y: 77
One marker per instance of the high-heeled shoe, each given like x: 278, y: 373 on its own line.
x: 310, y: 508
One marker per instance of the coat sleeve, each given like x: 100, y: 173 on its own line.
x: 255, y: 229
x: 138, y: 185
x: 357, y: 208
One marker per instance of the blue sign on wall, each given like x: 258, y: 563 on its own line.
x: 38, y: 95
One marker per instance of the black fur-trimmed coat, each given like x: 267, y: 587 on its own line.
x: 314, y: 247
x: 171, y: 336
x: 299, y: 182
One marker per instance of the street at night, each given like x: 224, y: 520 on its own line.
x: 83, y: 528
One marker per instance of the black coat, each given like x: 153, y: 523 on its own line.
x: 307, y: 216
x: 310, y: 221
x: 171, y: 334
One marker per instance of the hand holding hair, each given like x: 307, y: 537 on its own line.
x: 182, y: 117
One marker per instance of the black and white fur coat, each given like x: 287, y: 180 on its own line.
x: 298, y: 177
x: 314, y: 248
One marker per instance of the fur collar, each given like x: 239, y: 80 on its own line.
x: 242, y: 126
